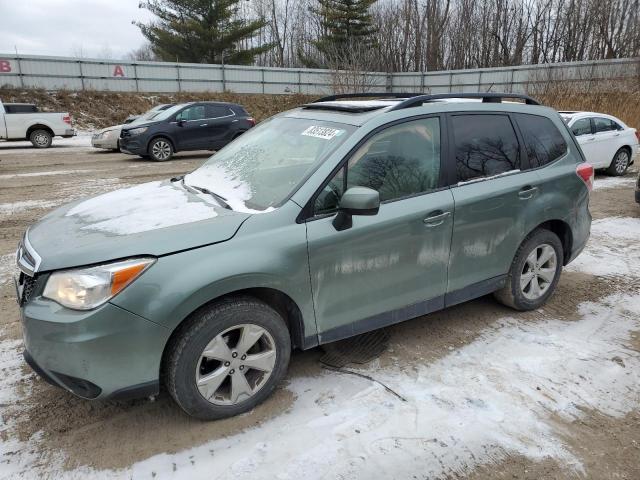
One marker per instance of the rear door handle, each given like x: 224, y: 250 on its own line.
x: 436, y: 218
x: 203, y: 125
x: 527, y: 192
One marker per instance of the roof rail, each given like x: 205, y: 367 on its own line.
x: 487, y: 97
x: 340, y: 96
x: 417, y: 99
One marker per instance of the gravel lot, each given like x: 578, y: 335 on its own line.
x: 489, y: 392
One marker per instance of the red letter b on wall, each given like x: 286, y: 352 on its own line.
x: 5, y: 66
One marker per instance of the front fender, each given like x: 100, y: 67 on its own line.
x: 180, y: 283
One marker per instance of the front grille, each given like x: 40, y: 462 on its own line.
x: 29, y: 288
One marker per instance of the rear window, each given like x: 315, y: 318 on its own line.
x: 542, y: 140
x: 485, y: 145
x: 605, y: 125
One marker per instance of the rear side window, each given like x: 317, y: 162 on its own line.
x: 216, y: 111
x: 485, y: 145
x: 581, y: 127
x: 9, y: 108
x: 605, y: 125
x: 542, y: 140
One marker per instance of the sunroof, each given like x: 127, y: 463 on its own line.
x: 353, y: 106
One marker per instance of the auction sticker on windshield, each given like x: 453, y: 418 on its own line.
x: 325, y: 133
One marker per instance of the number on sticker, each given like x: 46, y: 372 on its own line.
x: 325, y: 133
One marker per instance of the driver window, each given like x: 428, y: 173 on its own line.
x: 195, y: 112
x: 400, y: 161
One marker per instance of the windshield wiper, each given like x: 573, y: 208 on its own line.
x: 219, y: 198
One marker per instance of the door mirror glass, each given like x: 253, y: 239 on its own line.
x: 356, y: 201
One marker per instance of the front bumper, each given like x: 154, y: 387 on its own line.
x: 132, y: 145
x: 106, y: 353
x: 108, y: 143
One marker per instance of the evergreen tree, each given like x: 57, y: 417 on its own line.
x: 201, y: 31
x: 347, y: 24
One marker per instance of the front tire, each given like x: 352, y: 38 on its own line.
x: 227, y: 358
x: 160, y: 149
x: 620, y: 163
x: 41, y: 138
x: 534, y: 273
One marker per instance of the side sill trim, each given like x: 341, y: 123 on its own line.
x: 475, y: 290
x: 381, y: 320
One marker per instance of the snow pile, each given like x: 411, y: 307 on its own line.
x: 7, y: 268
x: 613, y: 248
x: 601, y: 183
x: 141, y: 208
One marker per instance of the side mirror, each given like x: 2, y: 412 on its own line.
x: 179, y: 122
x: 356, y: 201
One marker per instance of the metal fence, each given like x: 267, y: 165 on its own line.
x: 55, y: 73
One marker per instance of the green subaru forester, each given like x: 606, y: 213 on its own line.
x: 326, y: 221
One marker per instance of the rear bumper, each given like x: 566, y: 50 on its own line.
x: 68, y: 133
x: 106, y: 353
x: 637, y: 195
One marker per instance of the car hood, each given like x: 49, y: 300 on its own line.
x: 154, y: 218
x: 114, y: 127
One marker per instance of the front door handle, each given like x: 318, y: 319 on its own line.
x: 203, y: 125
x: 527, y: 192
x: 436, y: 218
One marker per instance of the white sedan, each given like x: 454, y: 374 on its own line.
x: 606, y: 141
x: 109, y: 138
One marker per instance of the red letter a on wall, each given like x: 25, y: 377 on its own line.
x: 118, y: 71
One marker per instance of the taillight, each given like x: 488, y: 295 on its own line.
x: 585, y: 172
x: 638, y: 135
x: 252, y: 121
x: 67, y: 119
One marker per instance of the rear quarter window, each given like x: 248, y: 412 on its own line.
x: 543, y: 141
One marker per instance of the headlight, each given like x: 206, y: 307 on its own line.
x: 87, y: 288
x: 138, y: 131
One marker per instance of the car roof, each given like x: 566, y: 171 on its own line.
x: 346, y: 109
x: 571, y: 115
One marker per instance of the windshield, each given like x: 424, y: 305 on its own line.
x: 169, y: 112
x: 264, y: 166
x: 149, y: 114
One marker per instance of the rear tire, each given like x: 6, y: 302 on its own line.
x: 160, y: 149
x: 212, y: 373
x: 534, y: 273
x: 41, y: 138
x: 620, y: 163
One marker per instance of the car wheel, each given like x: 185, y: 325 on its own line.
x: 40, y: 138
x: 620, y: 163
x: 160, y: 149
x: 227, y: 358
x: 534, y: 273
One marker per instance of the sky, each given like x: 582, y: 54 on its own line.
x: 92, y: 28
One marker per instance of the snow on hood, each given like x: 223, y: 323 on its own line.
x: 141, y: 208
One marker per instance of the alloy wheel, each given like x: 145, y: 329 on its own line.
x: 161, y: 150
x: 621, y: 162
x: 538, y: 272
x: 236, y: 364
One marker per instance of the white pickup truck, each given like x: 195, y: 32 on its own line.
x: 23, y: 121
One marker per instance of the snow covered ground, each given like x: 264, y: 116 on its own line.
x: 496, y: 396
x: 80, y: 141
